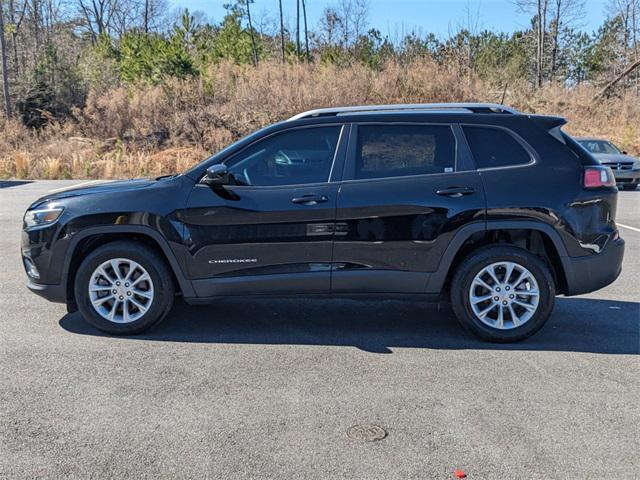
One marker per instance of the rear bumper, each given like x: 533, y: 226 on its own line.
x: 587, y: 274
x: 53, y: 293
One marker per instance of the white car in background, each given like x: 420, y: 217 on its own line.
x: 625, y: 168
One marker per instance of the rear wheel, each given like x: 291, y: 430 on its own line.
x: 124, y: 288
x: 502, y: 294
x: 628, y: 186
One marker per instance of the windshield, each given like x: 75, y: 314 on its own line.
x: 599, y: 146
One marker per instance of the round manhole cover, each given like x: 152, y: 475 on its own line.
x: 366, y: 433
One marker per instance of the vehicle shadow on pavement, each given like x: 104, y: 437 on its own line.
x: 577, y: 325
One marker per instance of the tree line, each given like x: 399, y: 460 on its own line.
x: 54, y: 52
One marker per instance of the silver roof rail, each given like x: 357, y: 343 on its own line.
x: 468, y: 107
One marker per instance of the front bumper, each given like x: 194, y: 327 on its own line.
x: 626, y: 176
x: 53, y: 293
x: 593, y: 272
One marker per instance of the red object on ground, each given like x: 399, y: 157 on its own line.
x: 459, y: 474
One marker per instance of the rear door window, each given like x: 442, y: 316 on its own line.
x: 403, y: 150
x: 495, y: 147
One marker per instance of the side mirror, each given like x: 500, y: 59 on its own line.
x: 624, y: 152
x: 217, y: 175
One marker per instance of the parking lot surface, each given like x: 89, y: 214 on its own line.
x: 269, y: 388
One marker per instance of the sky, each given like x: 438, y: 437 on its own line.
x: 397, y: 17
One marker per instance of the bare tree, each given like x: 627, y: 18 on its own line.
x: 5, y: 72
x: 543, y: 5
x: 298, y: 27
x: 330, y: 25
x: 636, y: 27
x: 565, y: 14
x: 16, y: 19
x: 98, y: 15
x: 146, y: 16
x: 281, y: 31
x: 251, y: 32
x: 360, y: 17
x: 306, y: 32
x: 609, y: 86
x: 353, y: 15
x: 35, y: 15
x: 540, y: 9
x: 627, y: 11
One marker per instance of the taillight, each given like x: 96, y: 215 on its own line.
x: 598, y: 177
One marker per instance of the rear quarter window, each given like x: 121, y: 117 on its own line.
x: 495, y: 147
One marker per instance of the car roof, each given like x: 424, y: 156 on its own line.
x: 485, y: 113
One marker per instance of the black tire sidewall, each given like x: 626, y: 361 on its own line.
x: 155, y: 266
x: 476, y: 262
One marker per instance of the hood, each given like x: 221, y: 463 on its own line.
x: 92, y: 188
x: 614, y: 157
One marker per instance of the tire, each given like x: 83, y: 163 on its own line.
x: 142, y: 312
x: 629, y: 186
x: 530, y: 319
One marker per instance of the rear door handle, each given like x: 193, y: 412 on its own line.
x: 455, y: 192
x: 309, y: 199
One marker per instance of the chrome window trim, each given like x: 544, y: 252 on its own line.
x: 399, y: 177
x: 335, y: 153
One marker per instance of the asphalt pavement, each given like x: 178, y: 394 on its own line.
x: 269, y: 388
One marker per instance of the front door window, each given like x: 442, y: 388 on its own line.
x: 295, y: 157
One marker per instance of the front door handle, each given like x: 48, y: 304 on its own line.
x: 309, y: 199
x: 455, y: 192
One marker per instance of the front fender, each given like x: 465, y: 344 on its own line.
x: 168, y: 250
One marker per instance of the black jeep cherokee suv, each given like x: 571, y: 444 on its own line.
x: 500, y: 209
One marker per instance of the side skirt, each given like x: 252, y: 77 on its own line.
x: 417, y: 297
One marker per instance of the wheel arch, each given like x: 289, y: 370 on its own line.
x: 547, y: 241
x: 92, y: 238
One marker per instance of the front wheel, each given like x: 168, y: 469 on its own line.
x: 502, y: 293
x: 124, y: 288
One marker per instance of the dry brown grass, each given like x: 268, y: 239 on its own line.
x: 151, y: 130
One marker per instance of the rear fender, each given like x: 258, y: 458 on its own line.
x: 437, y: 280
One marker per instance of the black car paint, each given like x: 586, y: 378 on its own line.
x: 391, y: 235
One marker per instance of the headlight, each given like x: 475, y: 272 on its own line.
x: 42, y: 216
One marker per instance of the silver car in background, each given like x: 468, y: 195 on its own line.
x: 625, y: 168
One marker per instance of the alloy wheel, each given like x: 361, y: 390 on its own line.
x: 504, y: 295
x: 121, y: 290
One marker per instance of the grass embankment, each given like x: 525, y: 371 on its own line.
x: 141, y: 130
